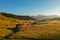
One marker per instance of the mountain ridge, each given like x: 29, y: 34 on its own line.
x: 44, y: 17
x: 20, y: 17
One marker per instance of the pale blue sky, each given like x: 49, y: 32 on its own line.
x: 30, y: 7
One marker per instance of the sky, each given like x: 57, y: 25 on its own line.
x: 30, y: 7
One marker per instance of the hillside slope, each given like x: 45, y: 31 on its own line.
x: 12, y: 28
x: 10, y: 21
x: 17, y: 17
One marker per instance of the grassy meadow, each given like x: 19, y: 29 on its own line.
x: 48, y: 30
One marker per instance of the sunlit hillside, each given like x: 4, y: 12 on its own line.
x: 6, y: 22
x: 28, y: 29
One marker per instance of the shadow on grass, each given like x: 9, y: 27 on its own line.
x: 57, y: 37
x: 30, y: 38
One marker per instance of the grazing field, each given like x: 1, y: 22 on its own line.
x: 40, y: 31
x: 36, y: 32
x: 15, y: 29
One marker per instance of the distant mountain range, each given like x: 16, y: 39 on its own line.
x: 43, y: 17
x: 37, y: 18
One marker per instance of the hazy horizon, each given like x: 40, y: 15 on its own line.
x: 30, y: 7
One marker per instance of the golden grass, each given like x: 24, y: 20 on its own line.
x: 4, y: 32
x: 39, y: 30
